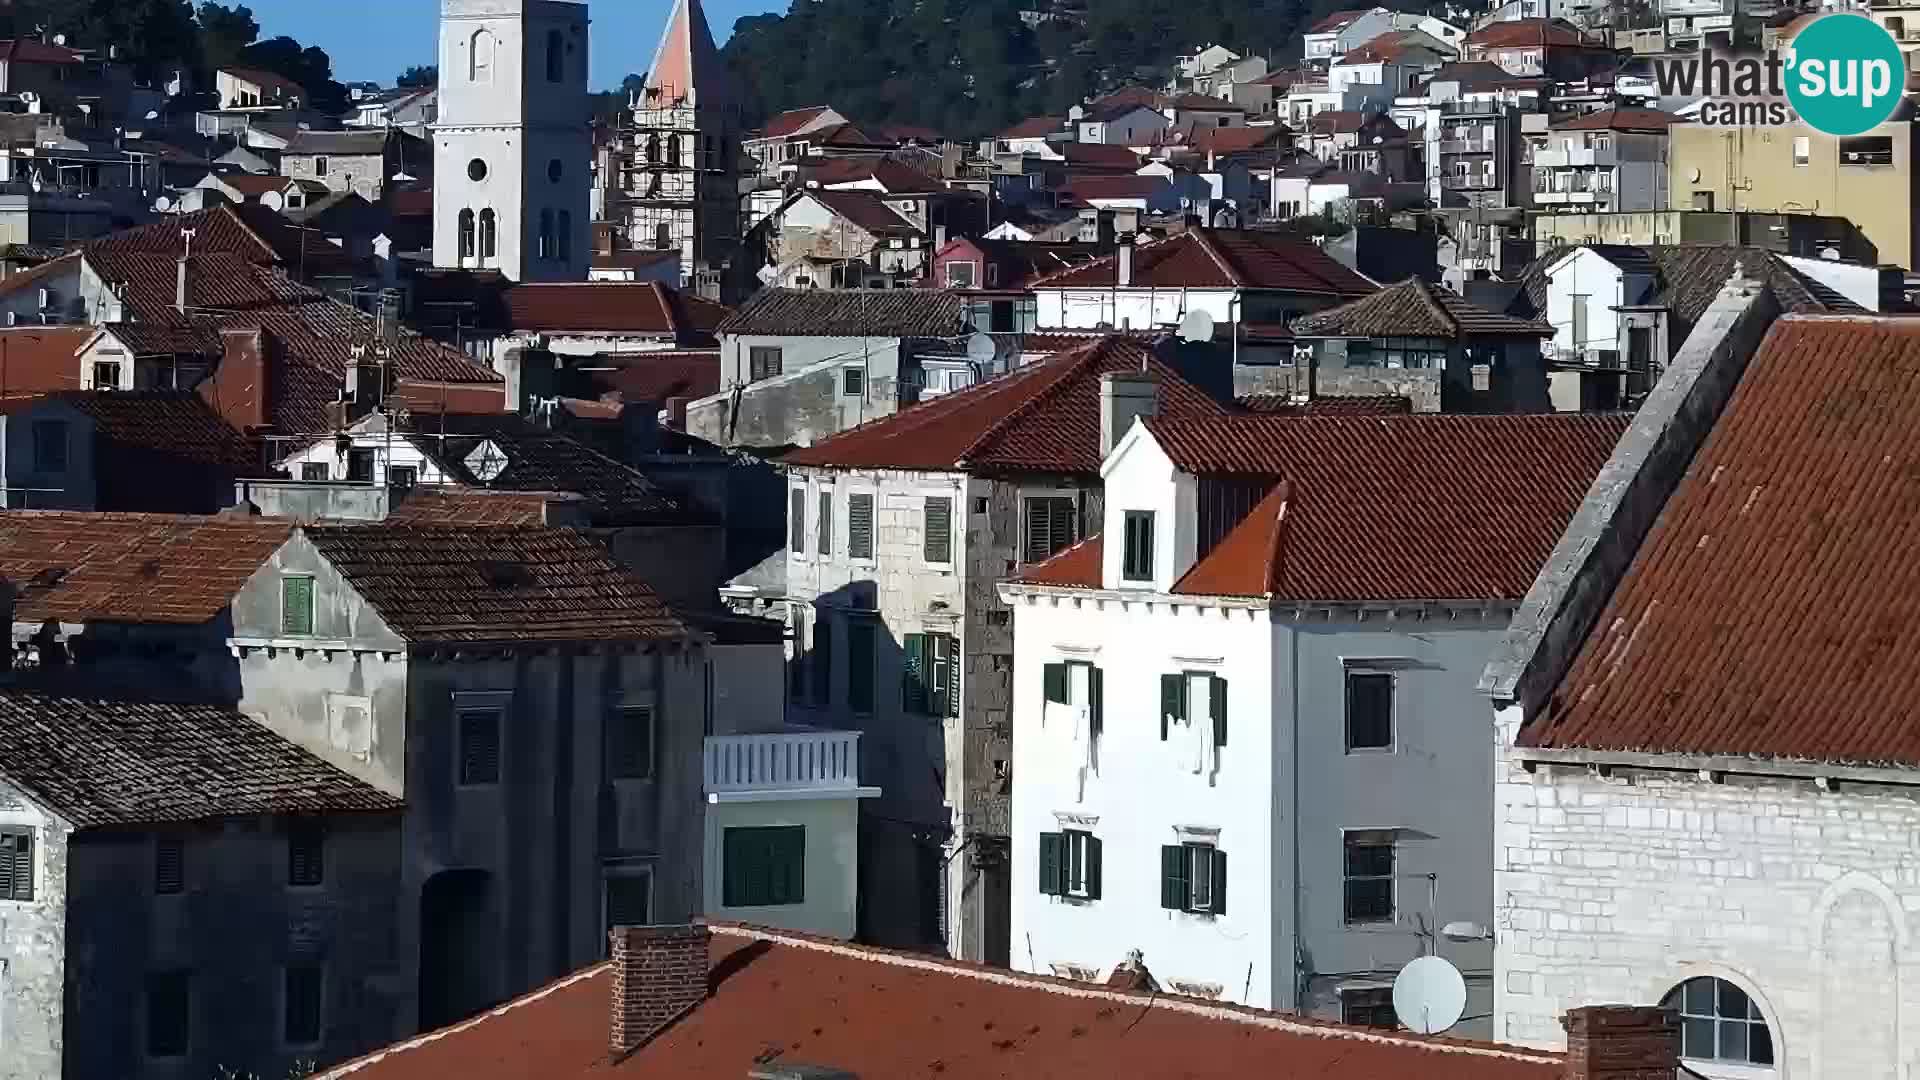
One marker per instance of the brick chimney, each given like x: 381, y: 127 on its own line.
x: 1621, y: 1042
x: 240, y: 388
x: 659, y: 974
x: 1125, y: 395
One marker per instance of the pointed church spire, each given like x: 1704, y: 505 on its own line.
x: 686, y: 67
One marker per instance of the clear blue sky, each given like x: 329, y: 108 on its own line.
x: 375, y: 40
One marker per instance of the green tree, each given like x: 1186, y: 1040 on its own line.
x: 225, y: 32
x: 310, y: 66
x: 418, y: 76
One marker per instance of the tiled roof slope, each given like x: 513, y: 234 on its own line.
x: 849, y: 313
x: 1393, y: 508
x: 426, y: 504
x: 100, y: 761
x: 41, y: 359
x: 1688, y: 276
x: 438, y: 584
x: 1522, y: 33
x: 1618, y: 119
x: 892, y: 1016
x: 1222, y: 258
x: 610, y: 307
x: 161, y: 568
x: 1044, y: 416
x: 1774, y: 609
x: 176, y: 423
x: 1415, y: 308
x: 657, y: 376
x: 866, y: 210
x: 540, y: 459
x: 1358, y: 405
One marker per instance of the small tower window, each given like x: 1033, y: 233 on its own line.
x: 663, y: 236
x: 556, y: 57
x: 466, y: 234
x: 476, y: 170
x: 566, y: 236
x: 489, y: 234
x: 673, y: 149
x: 546, y: 234
x: 653, y: 148
x: 555, y: 170
x: 480, y: 56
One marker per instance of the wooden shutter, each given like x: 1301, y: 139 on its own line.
x: 1217, y: 705
x: 1053, y: 863
x: 1173, y: 877
x: 1173, y: 700
x: 1095, y: 700
x: 628, y: 900
x: 296, y: 605
x: 1054, y: 679
x: 736, y: 853
x: 16, y: 866
x: 630, y: 743
x: 953, y: 676
x: 913, y: 683
x: 860, y: 526
x: 1093, y: 868
x: 797, y: 522
x: 1219, y: 882
x: 169, y: 863
x: 1050, y: 527
x: 306, y: 854
x: 790, y: 845
x: 479, y: 746
x: 826, y: 523
x: 1037, y: 530
x: 938, y: 520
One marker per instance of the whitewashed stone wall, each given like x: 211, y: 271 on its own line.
x: 1616, y: 889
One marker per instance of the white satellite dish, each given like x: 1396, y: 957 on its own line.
x: 981, y: 349
x: 162, y: 205
x: 1197, y: 326
x: 1429, y: 995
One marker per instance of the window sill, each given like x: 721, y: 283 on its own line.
x: 1369, y: 751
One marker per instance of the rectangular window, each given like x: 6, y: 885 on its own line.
x: 1177, y: 693
x: 763, y: 867
x: 319, y: 166
x: 16, y: 864
x: 50, y: 446
x: 1369, y: 877
x: 930, y: 675
x: 825, y: 539
x: 763, y: 362
x: 853, y: 381
x: 797, y: 521
x: 1070, y: 864
x: 300, y: 1019
x: 479, y: 746
x: 860, y: 637
x: 630, y: 734
x: 1051, y: 527
x: 296, y: 605
x: 1802, y: 151
x: 1867, y: 150
x: 937, y: 518
x: 169, y: 863
x: 822, y: 662
x: 1369, y: 710
x: 306, y: 853
x: 1193, y: 877
x: 1137, y: 557
x: 106, y: 375
x: 860, y: 526
x: 960, y: 275
x: 315, y: 471
x: 1370, y: 1006
x: 402, y: 477
x: 628, y: 900
x: 360, y: 466
x: 169, y: 1014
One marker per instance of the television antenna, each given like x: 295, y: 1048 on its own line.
x: 1429, y: 995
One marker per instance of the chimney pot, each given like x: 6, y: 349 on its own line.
x: 180, y: 285
x: 1123, y: 271
x: 659, y: 974
x: 1621, y: 1042
x: 1124, y: 396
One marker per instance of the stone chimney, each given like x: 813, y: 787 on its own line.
x: 659, y: 975
x: 676, y: 410
x: 240, y: 389
x: 1123, y: 266
x: 1621, y: 1042
x: 1125, y: 395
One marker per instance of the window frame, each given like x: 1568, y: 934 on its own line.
x: 287, y: 629
x: 823, y: 541
x: 972, y: 274
x: 164, y: 842
x: 41, y: 462
x: 154, y: 983
x: 308, y: 468
x: 497, y: 709
x: 797, y: 521
x: 1137, y: 525
x: 308, y: 829
x: 1074, y: 870
x: 1051, y: 499
x: 928, y: 552
x: 855, y: 500
x: 618, y: 717
x: 1194, y: 855
x: 764, y: 362
x: 15, y: 835
x: 319, y: 990
x: 1352, y: 840
x: 1353, y: 674
x: 1677, y: 1000
x: 1368, y: 1013
x: 771, y: 841
x: 853, y: 382
x: 608, y: 876
x: 112, y: 383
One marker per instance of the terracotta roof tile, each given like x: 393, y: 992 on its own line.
x: 1089, y: 188
x: 1099, y: 155
x: 611, y: 307
x: 1360, y: 405
x: 1618, y: 119
x: 157, y: 568
x: 42, y: 359
x: 176, y: 423
x: 426, y: 504
x: 34, y: 51
x: 1035, y: 127
x: 1339, y: 20
x: 1415, y: 308
x: 1076, y: 567
x: 849, y: 313
x: 99, y: 761
x: 432, y: 583
x: 1774, y: 609
x: 1394, y: 508
x: 1223, y: 258
x: 887, y: 1015
x: 657, y: 376
x: 865, y: 209
x: 1044, y: 416
x: 1522, y: 33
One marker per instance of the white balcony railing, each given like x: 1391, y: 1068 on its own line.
x: 784, y: 761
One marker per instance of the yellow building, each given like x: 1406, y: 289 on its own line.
x: 1868, y: 179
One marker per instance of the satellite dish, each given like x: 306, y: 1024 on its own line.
x: 1429, y: 995
x: 1693, y: 175
x: 162, y: 204
x: 981, y: 349
x: 1197, y: 326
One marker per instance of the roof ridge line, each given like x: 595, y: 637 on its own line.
x: 1091, y: 351
x: 1433, y: 304
x: 1219, y: 257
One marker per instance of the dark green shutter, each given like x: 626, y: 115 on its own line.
x: 1052, y: 863
x: 1173, y: 877
x: 913, y: 681
x: 296, y: 605
x: 1093, y: 868
x: 1173, y: 700
x: 791, y: 843
x: 1055, y: 678
x: 1219, y: 882
x: 1217, y: 704
x: 860, y: 526
x: 937, y: 519
x: 826, y: 523
x: 1094, y: 700
x: 953, y: 676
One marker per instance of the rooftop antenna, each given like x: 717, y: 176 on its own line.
x: 1429, y: 995
x: 186, y: 235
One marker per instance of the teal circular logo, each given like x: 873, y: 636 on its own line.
x: 1845, y: 74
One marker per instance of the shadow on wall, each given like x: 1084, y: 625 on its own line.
x: 185, y: 664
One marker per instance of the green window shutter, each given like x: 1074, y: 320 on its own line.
x: 913, y: 682
x: 296, y: 605
x: 1055, y: 679
x: 1217, y: 703
x: 860, y: 526
x: 734, y: 855
x: 938, y: 521
x: 1052, y: 863
x: 1173, y: 877
x: 1173, y: 700
x: 1095, y: 700
x: 1093, y: 868
x: 791, y: 843
x: 1219, y: 882
x: 953, y: 677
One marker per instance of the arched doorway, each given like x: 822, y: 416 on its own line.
x: 458, y: 961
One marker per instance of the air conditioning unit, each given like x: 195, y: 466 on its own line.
x: 47, y: 299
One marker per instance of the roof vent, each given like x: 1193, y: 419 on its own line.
x: 780, y: 1070
x: 505, y: 575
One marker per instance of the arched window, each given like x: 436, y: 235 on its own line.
x: 480, y: 56
x: 663, y: 236
x: 546, y: 235
x: 653, y: 148
x: 489, y: 234
x: 466, y: 234
x: 556, y: 57
x: 673, y: 149
x: 1719, y: 1022
x: 565, y: 237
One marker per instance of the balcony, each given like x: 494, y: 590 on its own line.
x: 1564, y: 157
x: 1470, y: 182
x: 1468, y: 146
x: 784, y: 765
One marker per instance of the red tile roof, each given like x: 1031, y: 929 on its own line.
x: 426, y: 504
x: 1359, y: 405
x: 893, y: 177
x: 1415, y: 308
x: 1099, y: 155
x: 1774, y: 609
x: 1088, y: 188
x: 1525, y: 33
x: 1077, y: 567
x: 1390, y: 47
x: 178, y: 424
x: 159, y: 568
x: 41, y: 360
x: 1392, y: 508
x: 1620, y: 120
x: 1044, y: 416
x: 791, y: 121
x: 35, y: 51
x: 886, y: 1015
x: 1223, y: 258
x: 1200, y: 103
x: 1237, y: 140
x: 272, y: 85
x: 1339, y: 20
x: 1035, y: 127
x: 865, y: 210
x: 617, y: 307
x: 657, y: 376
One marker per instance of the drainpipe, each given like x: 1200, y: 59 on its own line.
x: 1234, y: 311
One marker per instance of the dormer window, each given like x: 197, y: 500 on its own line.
x: 1136, y: 563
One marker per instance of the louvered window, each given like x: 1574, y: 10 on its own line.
x: 169, y: 863
x: 826, y: 523
x: 479, y: 746
x: 16, y: 864
x: 306, y: 853
x: 930, y: 682
x: 296, y: 605
x: 1051, y: 522
x: 939, y: 529
x: 860, y: 526
x: 763, y: 866
x: 630, y: 743
x: 797, y: 521
x: 629, y: 900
